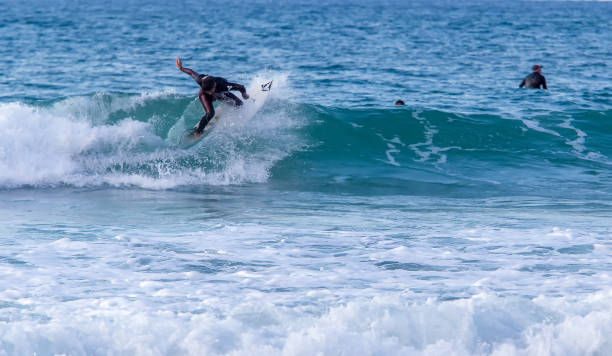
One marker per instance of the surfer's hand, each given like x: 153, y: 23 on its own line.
x: 179, y: 64
x: 245, y: 96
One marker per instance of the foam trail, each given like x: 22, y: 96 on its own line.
x: 578, y: 143
x: 534, y: 125
x: 430, y: 132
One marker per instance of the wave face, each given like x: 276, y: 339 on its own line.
x: 437, y: 152
x: 122, y: 139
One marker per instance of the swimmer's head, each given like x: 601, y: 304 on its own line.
x: 537, y: 68
x: 399, y: 102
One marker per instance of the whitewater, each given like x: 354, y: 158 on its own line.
x: 474, y: 220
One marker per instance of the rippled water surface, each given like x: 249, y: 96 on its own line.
x: 473, y: 220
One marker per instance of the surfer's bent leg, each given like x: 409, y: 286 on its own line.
x: 206, y: 101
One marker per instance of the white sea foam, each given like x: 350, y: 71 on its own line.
x: 431, y: 151
x: 389, y: 325
x: 392, y: 149
x: 578, y: 143
x: 123, y: 274
x: 38, y: 147
x: 535, y: 125
x: 74, y: 142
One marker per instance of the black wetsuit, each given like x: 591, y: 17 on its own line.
x: 221, y: 92
x: 534, y: 80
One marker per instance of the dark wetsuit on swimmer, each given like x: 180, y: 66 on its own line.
x: 211, y: 89
x: 534, y: 80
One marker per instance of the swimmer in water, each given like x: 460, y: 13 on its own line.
x: 535, y: 79
x: 211, y: 89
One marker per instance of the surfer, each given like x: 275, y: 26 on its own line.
x: 211, y: 89
x: 535, y: 79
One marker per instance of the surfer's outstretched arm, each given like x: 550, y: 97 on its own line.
x: 240, y: 88
x: 191, y: 72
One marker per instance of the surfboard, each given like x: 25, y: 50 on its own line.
x: 257, y: 98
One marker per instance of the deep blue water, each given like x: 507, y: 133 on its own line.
x: 473, y: 220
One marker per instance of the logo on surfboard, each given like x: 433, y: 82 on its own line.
x: 267, y: 86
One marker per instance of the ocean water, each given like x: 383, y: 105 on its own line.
x: 474, y: 220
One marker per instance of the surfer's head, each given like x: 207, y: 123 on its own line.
x: 537, y: 68
x: 399, y: 102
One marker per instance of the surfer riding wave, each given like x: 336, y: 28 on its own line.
x: 211, y: 89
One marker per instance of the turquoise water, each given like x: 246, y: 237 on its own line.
x: 473, y: 220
